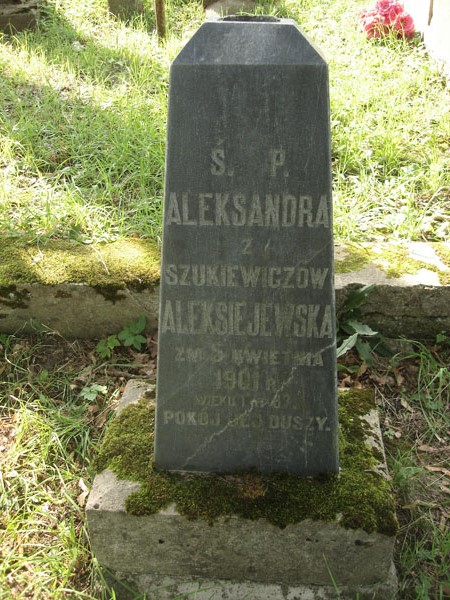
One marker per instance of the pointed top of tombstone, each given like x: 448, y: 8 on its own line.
x: 222, y: 42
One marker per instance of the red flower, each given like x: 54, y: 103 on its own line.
x: 404, y: 25
x: 387, y: 16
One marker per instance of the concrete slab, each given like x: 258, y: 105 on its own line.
x: 166, y: 555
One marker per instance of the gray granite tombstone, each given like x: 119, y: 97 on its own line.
x: 246, y: 372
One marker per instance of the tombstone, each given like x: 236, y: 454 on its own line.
x: 17, y: 15
x: 247, y: 370
x: 125, y: 9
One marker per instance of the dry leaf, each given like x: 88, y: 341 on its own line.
x: 140, y: 359
x: 101, y: 420
x: 362, y: 369
x: 382, y: 379
x: 438, y: 470
x: 428, y: 449
x: 92, y: 410
x: 399, y: 377
x: 83, y: 487
x: 81, y: 499
x: 406, y: 405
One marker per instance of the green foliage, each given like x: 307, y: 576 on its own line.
x: 105, y: 347
x: 99, y: 175
x: 130, y: 336
x: 90, y: 392
x: 352, y: 333
x: 431, y: 395
x: 42, y: 487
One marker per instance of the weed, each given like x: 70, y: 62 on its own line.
x: 130, y: 336
x: 352, y: 333
x: 90, y: 392
x: 105, y: 347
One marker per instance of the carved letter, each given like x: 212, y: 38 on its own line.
x: 218, y: 158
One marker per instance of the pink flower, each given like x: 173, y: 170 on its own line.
x: 404, y: 25
x: 373, y: 24
x: 387, y: 16
x: 389, y: 9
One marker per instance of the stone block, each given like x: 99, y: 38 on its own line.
x: 75, y: 310
x: 169, y: 555
x: 413, y: 304
x: 18, y: 15
x: 125, y: 8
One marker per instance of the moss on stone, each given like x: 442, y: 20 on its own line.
x: 443, y: 251
x: 359, y: 497
x: 135, y: 263
x: 393, y: 259
x: 355, y: 259
x: 111, y: 266
x: 13, y: 298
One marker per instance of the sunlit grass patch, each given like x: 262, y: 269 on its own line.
x: 84, y: 116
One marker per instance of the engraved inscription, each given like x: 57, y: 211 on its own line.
x: 248, y: 356
x: 256, y: 210
x: 218, y: 161
x: 247, y: 319
x: 247, y: 276
x: 194, y: 418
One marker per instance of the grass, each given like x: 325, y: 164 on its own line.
x: 83, y: 117
x: 417, y: 417
x: 56, y: 397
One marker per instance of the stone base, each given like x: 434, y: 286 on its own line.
x: 166, y: 555
x: 17, y: 15
x: 168, y: 588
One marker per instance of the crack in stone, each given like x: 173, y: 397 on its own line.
x: 247, y: 412
x: 207, y: 442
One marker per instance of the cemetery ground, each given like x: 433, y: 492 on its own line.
x: 82, y: 129
x: 57, y: 397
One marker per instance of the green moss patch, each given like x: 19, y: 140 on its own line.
x: 394, y: 259
x: 126, y: 262
x: 356, y: 258
x: 359, y: 497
